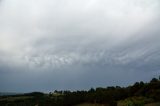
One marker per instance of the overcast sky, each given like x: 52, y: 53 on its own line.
x: 77, y: 44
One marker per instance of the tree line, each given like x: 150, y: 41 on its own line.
x: 108, y: 96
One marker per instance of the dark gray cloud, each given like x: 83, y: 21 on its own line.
x: 58, y: 44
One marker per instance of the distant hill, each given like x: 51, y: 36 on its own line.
x: 8, y: 93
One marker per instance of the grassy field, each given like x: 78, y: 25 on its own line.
x: 153, y: 104
x: 15, y: 98
x: 89, y: 104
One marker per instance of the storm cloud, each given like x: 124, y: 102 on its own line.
x: 77, y: 44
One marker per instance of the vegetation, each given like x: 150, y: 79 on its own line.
x: 138, y: 94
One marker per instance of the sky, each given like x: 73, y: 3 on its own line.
x: 77, y: 44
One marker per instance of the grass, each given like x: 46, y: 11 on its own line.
x: 90, y: 104
x: 138, y: 101
x: 153, y: 104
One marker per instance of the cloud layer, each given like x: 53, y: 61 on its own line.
x: 78, y: 44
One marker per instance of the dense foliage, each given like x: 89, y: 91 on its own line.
x: 136, y: 95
